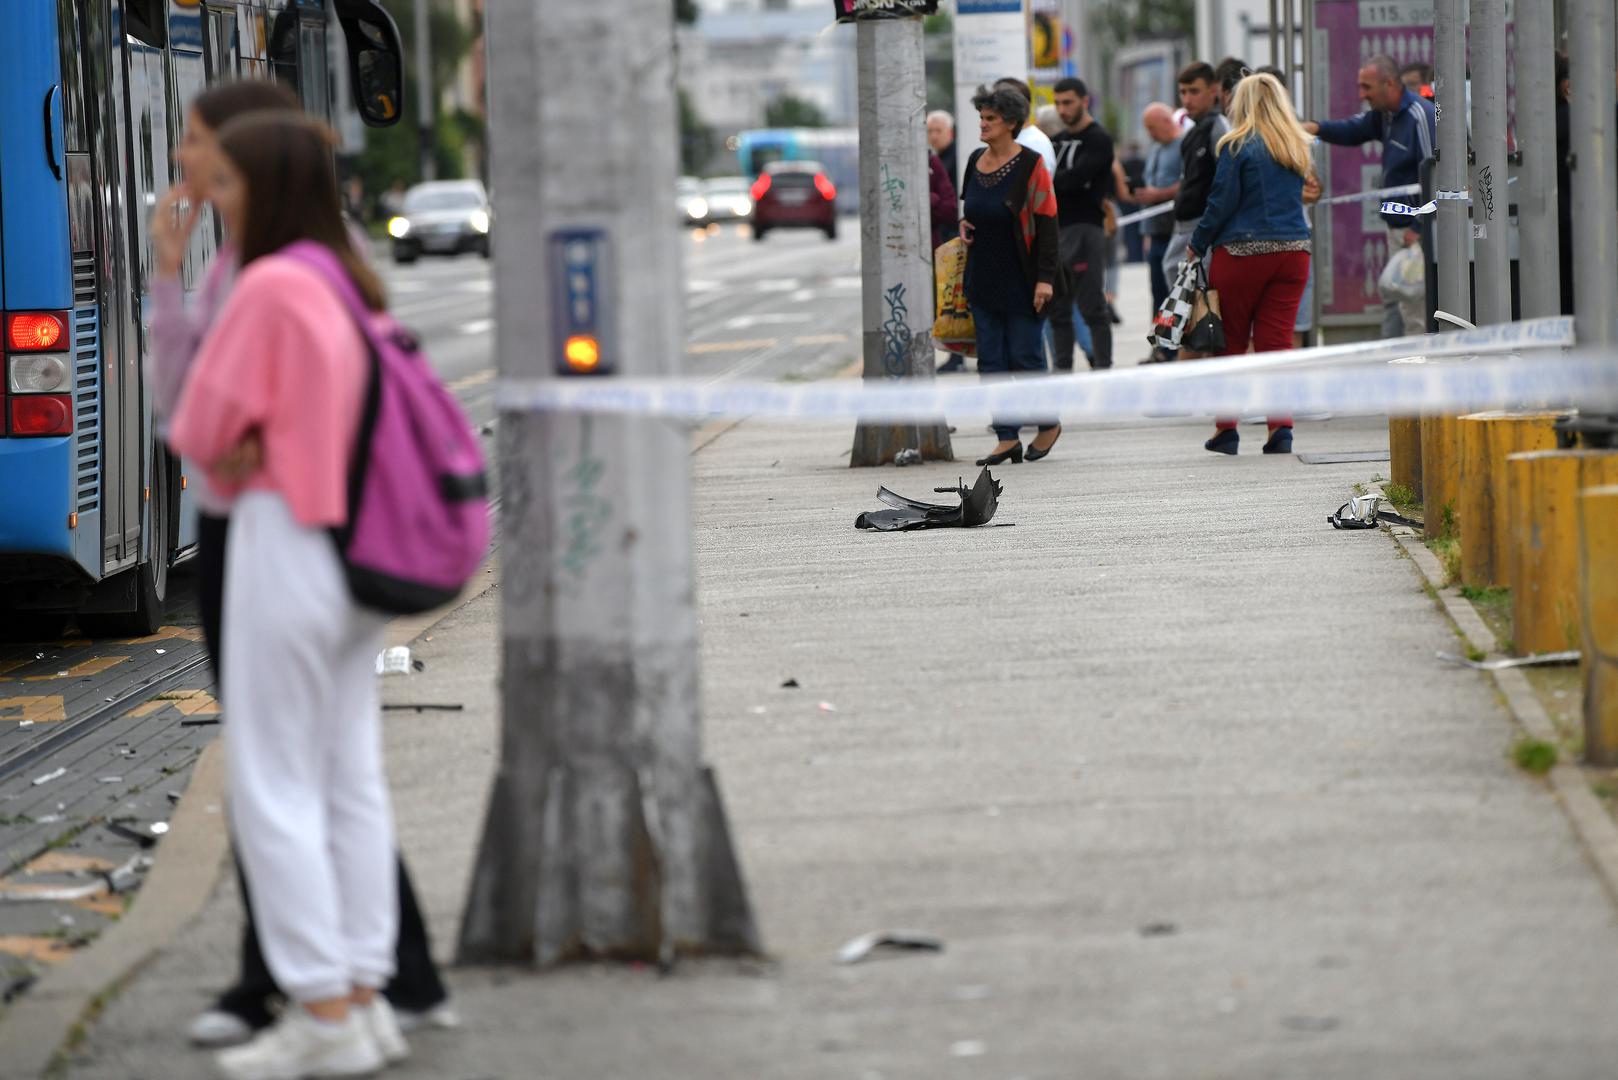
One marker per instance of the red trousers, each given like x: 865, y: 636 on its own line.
x: 1258, y: 300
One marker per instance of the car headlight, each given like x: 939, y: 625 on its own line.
x: 398, y: 227
x: 479, y: 220
x: 696, y: 209
x: 744, y: 206
x: 42, y: 374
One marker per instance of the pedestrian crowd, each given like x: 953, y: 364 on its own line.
x: 1229, y: 174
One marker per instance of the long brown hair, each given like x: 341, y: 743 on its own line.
x: 220, y: 104
x: 286, y: 160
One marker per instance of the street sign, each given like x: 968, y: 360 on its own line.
x: 861, y: 10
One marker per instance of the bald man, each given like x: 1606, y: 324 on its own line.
x: 1159, y: 184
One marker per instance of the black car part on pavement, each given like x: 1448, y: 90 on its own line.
x: 977, y: 507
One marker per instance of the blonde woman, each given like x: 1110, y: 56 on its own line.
x: 1255, y: 227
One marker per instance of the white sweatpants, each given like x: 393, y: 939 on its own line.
x: 303, y: 749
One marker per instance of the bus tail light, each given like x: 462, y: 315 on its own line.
x: 761, y: 186
x: 37, y: 331
x: 41, y: 414
x: 39, y: 373
x: 827, y: 189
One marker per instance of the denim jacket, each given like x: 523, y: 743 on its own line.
x: 1254, y: 197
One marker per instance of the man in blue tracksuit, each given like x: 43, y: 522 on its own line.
x: 1407, y: 127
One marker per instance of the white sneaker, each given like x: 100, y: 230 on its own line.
x: 442, y: 1015
x: 217, y: 1028
x: 384, y: 1028
x: 300, y: 1046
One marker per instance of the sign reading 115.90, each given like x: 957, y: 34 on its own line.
x: 859, y: 10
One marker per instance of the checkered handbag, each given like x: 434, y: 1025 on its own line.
x: 1174, y: 317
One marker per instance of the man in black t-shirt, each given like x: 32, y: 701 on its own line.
x: 1087, y: 173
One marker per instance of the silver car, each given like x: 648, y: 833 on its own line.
x: 441, y: 217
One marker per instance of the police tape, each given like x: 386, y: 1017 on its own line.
x: 1517, y: 365
x: 1335, y: 200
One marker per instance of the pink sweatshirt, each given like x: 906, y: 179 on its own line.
x: 283, y: 359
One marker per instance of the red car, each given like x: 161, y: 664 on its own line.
x: 794, y: 195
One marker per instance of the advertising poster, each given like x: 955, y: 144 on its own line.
x: 1351, y: 238
x: 991, y: 42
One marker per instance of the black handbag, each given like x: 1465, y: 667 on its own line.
x: 1206, y: 334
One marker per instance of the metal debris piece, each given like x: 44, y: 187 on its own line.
x: 1366, y: 512
x: 48, y: 777
x: 1535, y: 660
x: 901, y: 940
x: 25, y: 723
x: 199, y: 721
x: 790, y: 684
x: 978, y: 504
x: 424, y: 706
x: 908, y: 456
x: 118, y: 828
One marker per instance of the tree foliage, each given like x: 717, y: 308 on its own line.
x: 790, y: 111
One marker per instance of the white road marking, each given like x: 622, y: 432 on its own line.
x: 747, y: 322
x: 477, y: 326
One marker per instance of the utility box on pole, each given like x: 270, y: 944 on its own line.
x: 895, y: 219
x: 605, y: 834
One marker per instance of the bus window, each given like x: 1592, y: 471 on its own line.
x: 74, y: 133
x: 144, y: 21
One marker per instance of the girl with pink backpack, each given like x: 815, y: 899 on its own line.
x: 297, y: 358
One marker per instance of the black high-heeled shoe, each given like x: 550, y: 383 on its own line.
x: 1014, y: 455
x: 1035, y: 453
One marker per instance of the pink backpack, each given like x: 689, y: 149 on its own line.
x: 418, y: 504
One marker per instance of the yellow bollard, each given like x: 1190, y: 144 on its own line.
x: 1404, y: 453
x: 1542, y: 486
x: 1485, y: 439
x: 1440, y: 475
x: 1598, y: 590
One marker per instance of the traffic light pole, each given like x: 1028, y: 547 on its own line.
x: 1490, y: 194
x: 895, y: 232
x: 1452, y: 228
x: 605, y: 835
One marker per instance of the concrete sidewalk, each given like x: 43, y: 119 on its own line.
x: 1169, y: 765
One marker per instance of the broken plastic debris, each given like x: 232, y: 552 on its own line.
x: 826, y: 706
x: 790, y: 684
x: 1535, y: 660
x: 109, y: 779
x: 1366, y: 512
x: 48, y: 777
x: 25, y: 723
x: 394, y: 661
x: 978, y: 504
x: 160, y: 652
x: 901, y: 940
x: 908, y: 456
x: 159, y: 828
x: 118, y: 828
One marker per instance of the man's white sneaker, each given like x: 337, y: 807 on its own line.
x: 442, y: 1015
x: 300, y: 1046
x: 384, y: 1027
x: 217, y: 1028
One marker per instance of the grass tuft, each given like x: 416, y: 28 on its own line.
x: 1448, y: 550
x: 1534, y: 755
x: 1403, y: 498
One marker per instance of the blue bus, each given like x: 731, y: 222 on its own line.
x: 93, y: 509
x: 836, y: 149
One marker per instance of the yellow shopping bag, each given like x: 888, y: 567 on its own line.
x: 953, y: 329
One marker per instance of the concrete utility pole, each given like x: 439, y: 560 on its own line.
x: 605, y: 834
x: 1490, y: 194
x: 426, y: 115
x: 1449, y: 88
x: 1595, y: 215
x: 895, y: 231
x: 1538, y: 245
